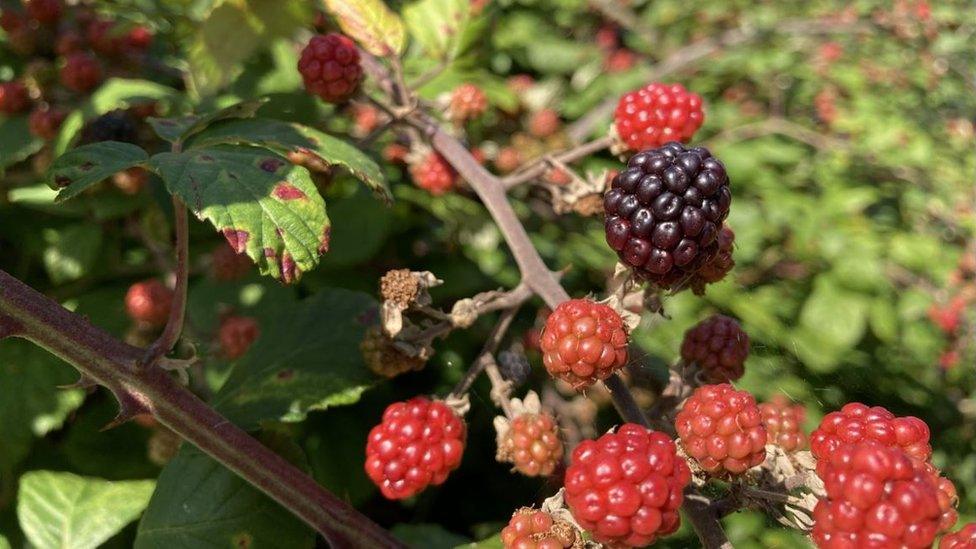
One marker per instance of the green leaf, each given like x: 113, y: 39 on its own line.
x: 259, y: 201
x: 71, y: 251
x: 16, y: 142
x: 65, y: 511
x: 438, y: 25
x: 80, y: 168
x: 179, y: 129
x: 30, y: 404
x: 290, y: 139
x: 428, y: 536
x: 377, y: 29
x: 832, y: 321
x: 4, y: 544
x: 305, y: 359
x: 199, y: 503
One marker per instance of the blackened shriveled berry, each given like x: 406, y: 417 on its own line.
x: 664, y: 212
x: 117, y: 125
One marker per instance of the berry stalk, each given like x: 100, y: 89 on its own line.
x: 107, y: 361
x: 177, y: 312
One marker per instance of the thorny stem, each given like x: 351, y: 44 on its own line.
x: 103, y: 359
x: 540, y: 166
x: 177, y: 311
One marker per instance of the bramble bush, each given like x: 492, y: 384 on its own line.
x: 487, y: 273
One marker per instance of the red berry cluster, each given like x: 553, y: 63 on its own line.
x: 433, y: 174
x: 467, y: 103
x: 533, y: 445
x: 536, y: 529
x: 418, y: 443
x: 149, y: 302
x: 544, y: 123
x: 81, y: 72
x: 657, y: 113
x: 14, y: 98
x: 330, y: 67
x: 784, y: 423
x: 44, y: 122
x: 964, y: 538
x: 875, y: 498
x: 626, y: 487
x: 583, y: 341
x: 719, y: 346
x: 236, y: 334
x: 722, y: 430
x: 856, y: 422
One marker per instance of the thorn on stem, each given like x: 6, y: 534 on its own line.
x: 130, y: 405
x: 84, y: 382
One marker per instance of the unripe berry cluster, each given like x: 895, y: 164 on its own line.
x: 330, y: 67
x: 722, y: 430
x: 583, y: 342
x: 657, y: 113
x: 719, y: 346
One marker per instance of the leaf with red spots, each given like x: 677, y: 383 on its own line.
x: 174, y: 129
x: 80, y: 168
x: 261, y: 203
x: 445, y: 28
x: 301, y: 144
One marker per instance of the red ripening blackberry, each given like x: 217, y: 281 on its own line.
x: 536, y: 529
x: 784, y: 423
x: 856, y: 422
x: 45, y: 122
x: 418, y: 443
x: 532, y: 444
x: 964, y: 538
x: 582, y: 342
x: 656, y: 114
x: 722, y: 429
x: 13, y: 98
x: 81, y: 72
x: 236, y: 334
x: 626, y: 487
x: 875, y: 498
x: 149, y: 302
x: 467, y: 102
x: 719, y: 346
x: 544, y: 123
x: 433, y: 174
x: 44, y: 11
x: 665, y: 210
x: 227, y: 264
x: 330, y: 67
x: 948, y: 497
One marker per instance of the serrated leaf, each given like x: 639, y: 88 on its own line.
x: 258, y: 200
x: 199, y: 503
x: 30, y: 404
x: 290, y: 139
x: 80, y: 168
x: 296, y: 366
x: 181, y: 128
x: 16, y: 142
x: 71, y: 251
x: 378, y: 30
x: 438, y: 25
x: 65, y: 511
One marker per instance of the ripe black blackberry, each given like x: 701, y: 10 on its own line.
x: 117, y: 125
x: 664, y: 212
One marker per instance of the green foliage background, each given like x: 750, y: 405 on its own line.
x: 847, y: 231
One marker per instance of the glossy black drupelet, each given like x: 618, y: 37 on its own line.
x: 664, y: 212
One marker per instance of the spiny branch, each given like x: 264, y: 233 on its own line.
x: 177, y: 311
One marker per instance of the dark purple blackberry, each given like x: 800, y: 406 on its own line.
x: 664, y: 212
x: 117, y: 125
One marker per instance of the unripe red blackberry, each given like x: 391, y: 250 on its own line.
x: 583, y: 341
x: 68, y: 42
x: 964, y: 538
x: 236, y: 334
x: 626, y: 487
x: 721, y: 429
x: 508, y: 159
x: 14, y: 98
x: 12, y: 21
x: 657, y: 113
x: 149, y: 302
x: 383, y: 358
x: 227, y: 264
x: 433, y: 174
x: 665, y: 210
x: 784, y: 423
x: 532, y: 444
x: 330, y: 67
x: 44, y: 122
x: 874, y: 498
x: 44, y: 11
x: 856, y: 422
x: 81, y: 72
x: 536, y: 529
x: 719, y: 346
x: 544, y: 123
x: 139, y: 38
x: 418, y: 443
x: 467, y: 103
x: 102, y: 37
x: 715, y: 269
